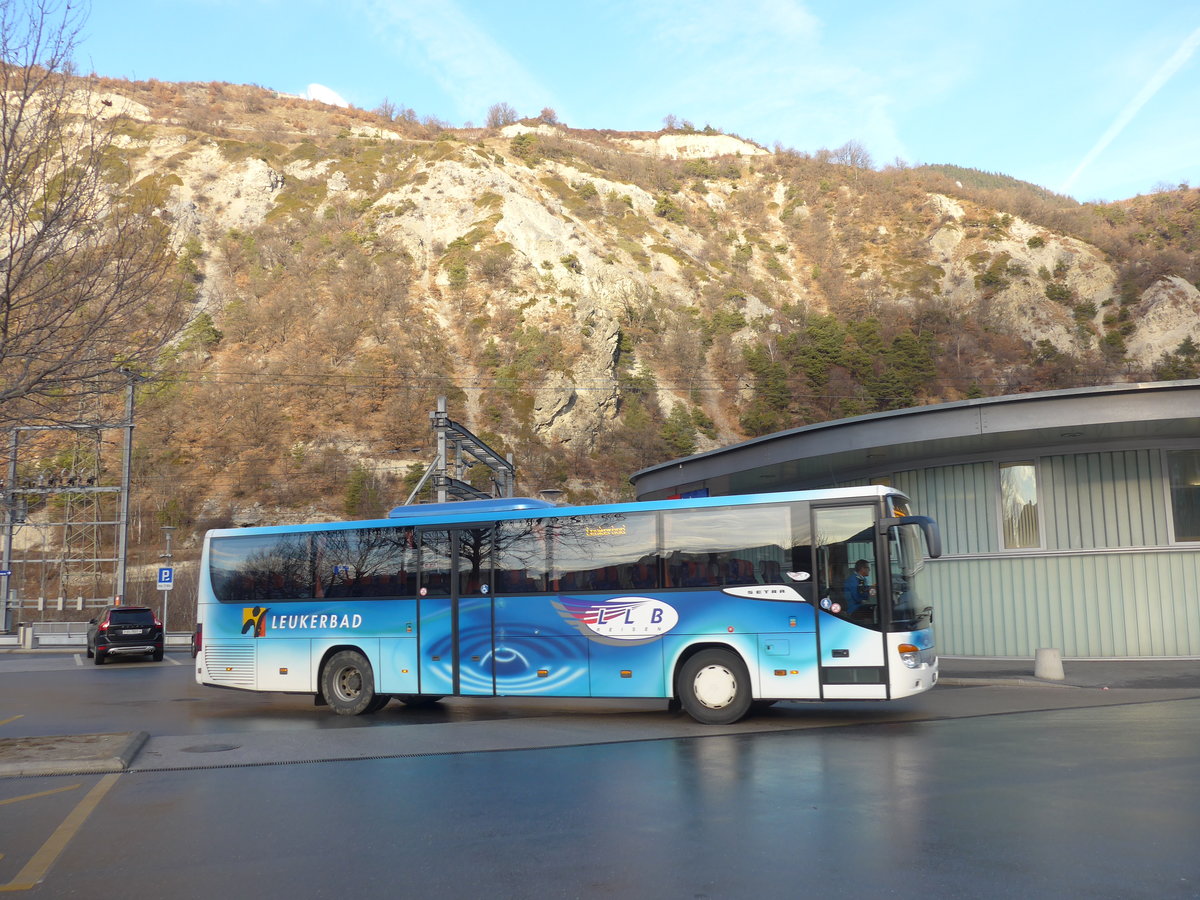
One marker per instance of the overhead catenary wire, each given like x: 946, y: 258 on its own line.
x: 348, y: 380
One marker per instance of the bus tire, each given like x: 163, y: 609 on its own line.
x: 380, y: 701
x: 348, y: 683
x: 714, y: 687
x: 418, y: 700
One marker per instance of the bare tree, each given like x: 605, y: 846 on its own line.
x: 854, y: 155
x: 86, y: 291
x: 386, y: 109
x: 501, y: 114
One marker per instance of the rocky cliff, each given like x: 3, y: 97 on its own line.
x: 594, y: 301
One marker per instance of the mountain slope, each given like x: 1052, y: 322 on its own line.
x: 593, y: 302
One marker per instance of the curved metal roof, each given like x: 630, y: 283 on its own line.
x: 834, y: 453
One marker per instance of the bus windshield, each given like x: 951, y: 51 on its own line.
x: 910, y: 610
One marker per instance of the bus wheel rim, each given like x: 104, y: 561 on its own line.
x: 349, y: 683
x: 715, y: 687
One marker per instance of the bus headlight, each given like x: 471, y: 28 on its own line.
x: 910, y: 655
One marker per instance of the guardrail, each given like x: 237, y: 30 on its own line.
x: 64, y: 635
x: 56, y: 634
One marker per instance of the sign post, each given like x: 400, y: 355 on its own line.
x: 166, y: 581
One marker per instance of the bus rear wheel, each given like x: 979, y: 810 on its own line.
x: 348, y: 684
x: 714, y: 687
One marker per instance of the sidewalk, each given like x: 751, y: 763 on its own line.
x: 1089, y: 673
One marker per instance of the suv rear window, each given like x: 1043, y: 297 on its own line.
x: 131, y: 617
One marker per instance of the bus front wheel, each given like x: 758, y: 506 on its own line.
x: 714, y: 687
x: 348, y: 684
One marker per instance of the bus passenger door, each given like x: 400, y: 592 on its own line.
x: 437, y: 613
x: 455, y: 603
x: 849, y: 635
x: 476, y: 642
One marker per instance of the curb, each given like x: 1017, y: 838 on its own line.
x: 81, y: 754
x: 1003, y: 682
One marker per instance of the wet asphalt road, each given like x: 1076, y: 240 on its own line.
x: 985, y: 791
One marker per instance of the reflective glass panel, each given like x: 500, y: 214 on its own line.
x: 1019, y: 506
x: 1184, y: 469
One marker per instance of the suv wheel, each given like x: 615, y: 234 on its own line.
x: 100, y: 656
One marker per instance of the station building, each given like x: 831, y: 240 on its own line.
x: 1070, y: 519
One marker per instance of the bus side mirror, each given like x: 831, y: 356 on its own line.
x: 933, y: 537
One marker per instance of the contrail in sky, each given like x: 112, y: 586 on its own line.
x: 1164, y: 74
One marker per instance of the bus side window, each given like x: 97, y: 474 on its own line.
x: 715, y: 546
x: 739, y: 571
x: 520, y: 557
x: 435, y: 563
x: 644, y: 573
x: 604, y: 552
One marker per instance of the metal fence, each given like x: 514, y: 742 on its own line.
x: 50, y: 635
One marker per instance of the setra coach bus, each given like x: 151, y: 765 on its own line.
x: 720, y: 605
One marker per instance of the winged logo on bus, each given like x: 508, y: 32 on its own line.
x: 619, y: 618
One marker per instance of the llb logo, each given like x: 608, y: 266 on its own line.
x: 619, y: 619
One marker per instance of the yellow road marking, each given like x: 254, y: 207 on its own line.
x: 69, y: 787
x: 35, y: 870
x: 11, y: 719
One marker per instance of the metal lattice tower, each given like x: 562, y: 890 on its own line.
x: 85, y: 521
x: 65, y: 517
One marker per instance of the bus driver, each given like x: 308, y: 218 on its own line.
x: 858, y: 591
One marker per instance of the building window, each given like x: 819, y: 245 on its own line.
x: 1183, y: 467
x: 1019, y: 505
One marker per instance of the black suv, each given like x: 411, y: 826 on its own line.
x: 125, y: 630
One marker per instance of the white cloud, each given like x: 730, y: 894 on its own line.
x: 323, y: 94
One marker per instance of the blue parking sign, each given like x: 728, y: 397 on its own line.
x: 166, y: 578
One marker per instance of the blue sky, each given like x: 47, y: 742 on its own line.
x: 1096, y: 98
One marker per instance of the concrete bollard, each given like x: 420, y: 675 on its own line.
x: 1048, y: 664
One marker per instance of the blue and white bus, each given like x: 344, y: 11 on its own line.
x: 717, y: 604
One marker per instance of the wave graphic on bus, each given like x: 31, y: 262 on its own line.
x: 561, y: 662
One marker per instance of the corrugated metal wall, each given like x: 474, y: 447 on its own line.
x: 1104, y: 500
x: 962, y: 499
x: 1094, y: 604
x: 1140, y: 598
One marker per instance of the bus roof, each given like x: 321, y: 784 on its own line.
x: 464, y: 507
x: 468, y: 511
